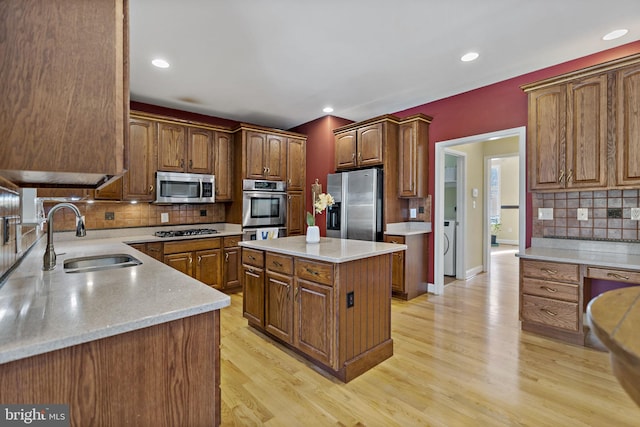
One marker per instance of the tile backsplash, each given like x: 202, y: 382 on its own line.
x: 103, y: 215
x: 608, y: 211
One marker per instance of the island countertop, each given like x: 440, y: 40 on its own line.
x: 328, y: 249
x: 42, y: 311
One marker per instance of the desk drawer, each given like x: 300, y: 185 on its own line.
x: 551, y: 312
x: 551, y: 270
x: 548, y: 289
x: 614, y: 275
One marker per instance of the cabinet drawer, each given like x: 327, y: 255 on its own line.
x: 279, y: 263
x: 551, y: 270
x: 314, y: 271
x: 554, y: 290
x: 551, y: 312
x: 191, y: 245
x: 231, y: 241
x: 390, y: 238
x: 252, y: 257
x: 154, y: 249
x: 613, y: 274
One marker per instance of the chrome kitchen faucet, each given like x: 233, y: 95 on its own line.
x: 49, y: 259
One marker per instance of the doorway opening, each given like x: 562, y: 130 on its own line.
x: 473, y: 230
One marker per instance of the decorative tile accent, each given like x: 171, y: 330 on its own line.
x: 609, y: 215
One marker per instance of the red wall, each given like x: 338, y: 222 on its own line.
x: 320, y: 156
x: 488, y: 109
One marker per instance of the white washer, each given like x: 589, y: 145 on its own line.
x: 450, y: 248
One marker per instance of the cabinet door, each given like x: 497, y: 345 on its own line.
x: 397, y: 264
x: 586, y: 161
x: 314, y: 320
x: 171, y: 147
x: 346, y: 149
x: 370, y: 145
x: 546, y: 143
x: 275, y: 158
x: 209, y: 267
x: 278, y: 318
x: 296, y: 214
x: 222, y: 166
x: 254, y: 151
x: 199, y: 150
x: 407, y: 167
x: 231, y: 268
x: 138, y: 182
x: 627, y: 100
x: 253, y: 294
x: 182, y: 262
x: 296, y: 164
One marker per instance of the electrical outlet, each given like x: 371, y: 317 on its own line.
x: 164, y: 217
x: 583, y: 214
x: 350, y: 299
x: 109, y: 216
x: 635, y: 214
x: 545, y: 213
x: 203, y: 212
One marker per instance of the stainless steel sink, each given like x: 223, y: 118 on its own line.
x: 99, y: 262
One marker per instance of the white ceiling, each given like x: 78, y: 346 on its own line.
x: 277, y: 63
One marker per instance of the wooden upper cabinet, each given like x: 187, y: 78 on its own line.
x: 265, y: 156
x: 171, y: 147
x: 184, y: 148
x: 296, y: 214
x: 627, y: 104
x: 139, y: 180
x: 223, y: 166
x: 346, y: 149
x: 296, y: 160
x: 547, y: 144
x: 199, y: 150
x: 586, y: 161
x: 413, y: 156
x: 65, y: 91
x: 369, y: 145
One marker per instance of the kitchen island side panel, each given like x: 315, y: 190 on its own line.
x: 367, y: 323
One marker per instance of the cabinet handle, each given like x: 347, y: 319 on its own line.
x: 617, y: 276
x: 310, y: 271
x: 561, y: 177
x: 570, y: 175
x: 150, y: 189
x: 199, y: 259
x: 190, y: 260
x: 548, y: 289
x: 268, y: 170
x: 360, y: 156
x: 289, y: 181
x: 226, y: 257
x: 181, y: 163
x: 277, y: 264
x: 353, y: 156
x: 252, y: 258
x: 549, y: 312
x: 549, y: 271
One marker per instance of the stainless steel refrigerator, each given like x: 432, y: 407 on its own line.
x: 357, y: 211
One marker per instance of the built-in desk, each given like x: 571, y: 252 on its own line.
x: 558, y: 279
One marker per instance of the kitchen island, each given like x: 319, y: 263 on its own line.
x: 330, y: 302
x: 123, y: 346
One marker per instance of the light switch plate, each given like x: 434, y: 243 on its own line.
x: 545, y: 213
x: 583, y: 214
x: 164, y: 217
x: 635, y: 214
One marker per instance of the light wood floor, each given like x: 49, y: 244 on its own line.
x: 460, y: 359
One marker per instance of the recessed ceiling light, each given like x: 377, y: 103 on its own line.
x: 327, y: 110
x: 616, y: 34
x: 160, y: 63
x: 469, y: 56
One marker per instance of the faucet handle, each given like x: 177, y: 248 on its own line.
x: 80, y: 228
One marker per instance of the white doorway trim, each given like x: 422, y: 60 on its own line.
x: 461, y: 210
x: 438, y: 259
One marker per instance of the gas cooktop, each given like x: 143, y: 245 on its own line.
x: 189, y: 232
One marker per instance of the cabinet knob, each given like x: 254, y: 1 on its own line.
x: 150, y: 188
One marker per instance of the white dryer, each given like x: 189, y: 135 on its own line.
x: 450, y: 248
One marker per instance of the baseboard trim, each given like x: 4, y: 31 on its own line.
x: 473, y: 272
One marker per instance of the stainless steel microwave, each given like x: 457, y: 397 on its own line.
x: 176, y: 187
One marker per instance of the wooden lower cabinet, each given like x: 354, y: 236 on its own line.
x: 161, y: 375
x: 409, y: 274
x: 198, y: 258
x: 232, y: 262
x: 336, y: 315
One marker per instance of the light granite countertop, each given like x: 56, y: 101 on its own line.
x: 408, y: 228
x: 596, y: 253
x: 329, y: 249
x: 41, y: 311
